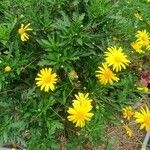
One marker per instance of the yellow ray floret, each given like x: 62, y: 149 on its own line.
x: 83, y: 98
x: 143, y: 37
x: 116, y: 58
x: 105, y: 75
x: 23, y: 32
x: 80, y: 112
x: 143, y: 117
x: 46, y: 79
x: 148, y: 47
x: 127, y: 112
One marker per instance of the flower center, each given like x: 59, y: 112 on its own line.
x: 21, y: 31
x: 144, y: 38
x: 80, y: 115
x: 117, y: 59
x: 147, y: 120
x: 47, y: 79
x: 129, y: 113
x: 108, y: 74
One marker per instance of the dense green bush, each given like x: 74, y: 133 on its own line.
x: 68, y: 36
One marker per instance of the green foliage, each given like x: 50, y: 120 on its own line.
x: 67, y: 35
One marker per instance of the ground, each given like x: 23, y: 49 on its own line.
x: 120, y: 140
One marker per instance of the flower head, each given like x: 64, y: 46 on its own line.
x: 128, y: 130
x: 144, y: 89
x: 127, y: 112
x: 138, y: 16
x: 143, y: 37
x: 72, y: 75
x: 80, y: 112
x: 143, y: 117
x: 46, y: 79
x: 23, y: 32
x: 7, y: 69
x: 116, y: 58
x: 137, y: 47
x: 82, y: 97
x: 105, y: 75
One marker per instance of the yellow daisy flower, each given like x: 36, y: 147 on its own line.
x: 127, y: 112
x: 83, y: 99
x: 144, y: 89
x: 80, y: 112
x: 143, y: 38
x: 23, y: 32
x: 105, y: 75
x: 46, y: 79
x: 116, y: 58
x: 137, y: 47
x: 7, y: 69
x: 128, y: 130
x: 143, y: 117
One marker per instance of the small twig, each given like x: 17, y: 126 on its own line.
x: 57, y: 114
x: 23, y: 68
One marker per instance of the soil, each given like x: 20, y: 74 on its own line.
x: 121, y: 140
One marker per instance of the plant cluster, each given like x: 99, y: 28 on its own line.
x: 141, y: 117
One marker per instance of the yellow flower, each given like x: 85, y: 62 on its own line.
x: 127, y: 112
x: 143, y: 38
x: 116, y: 58
x: 143, y: 117
x: 46, y: 79
x: 128, y: 130
x: 23, y: 32
x: 137, y: 47
x: 7, y: 69
x: 80, y: 112
x: 82, y: 97
x: 144, y: 89
x: 138, y: 16
x: 105, y: 75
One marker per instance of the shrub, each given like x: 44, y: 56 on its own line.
x: 71, y: 38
